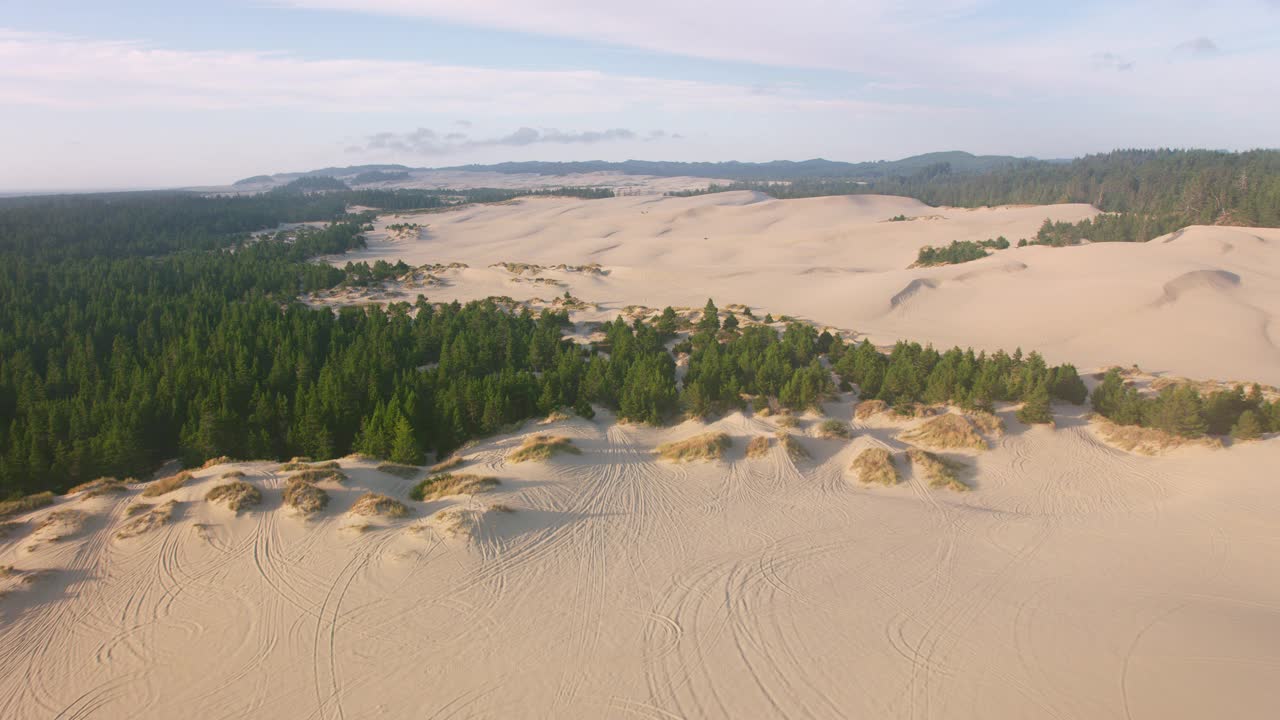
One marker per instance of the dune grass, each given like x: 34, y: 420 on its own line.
x: 876, y: 465
x: 939, y: 471
x: 232, y: 475
x: 304, y: 496
x: 867, y: 408
x: 23, y: 505
x: 707, y: 446
x: 311, y: 475
x: 542, y: 447
x: 167, y: 485
x: 794, y: 449
x: 371, y: 503
x: 135, y: 508
x: 220, y: 460
x: 446, y: 484
x: 835, y: 430
x: 758, y: 446
x: 408, y: 472
x: 946, y: 432
x: 989, y: 423
x: 555, y: 416
x: 1146, y: 440
x: 786, y: 421
x: 64, y: 523
x: 154, y: 517
x: 101, y: 486
x: 236, y: 495
x: 452, y: 461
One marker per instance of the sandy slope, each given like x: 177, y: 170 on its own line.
x: 1204, y: 302
x: 1076, y: 581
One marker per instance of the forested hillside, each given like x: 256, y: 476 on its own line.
x: 1150, y: 192
x: 141, y: 327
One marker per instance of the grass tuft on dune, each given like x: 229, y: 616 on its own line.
x: 794, y: 449
x: 167, y: 485
x: 946, y: 432
x: 876, y: 465
x: 543, y: 447
x: 236, y: 495
x: 371, y: 503
x: 21, y: 506
x: 939, y: 471
x: 758, y: 446
x: 446, y: 484
x: 156, y: 516
x: 707, y: 446
x: 835, y: 430
x: 408, y: 472
x: 305, y: 497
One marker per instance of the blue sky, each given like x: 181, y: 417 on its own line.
x: 138, y: 93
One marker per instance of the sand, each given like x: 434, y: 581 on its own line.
x: 1202, y: 303
x: 1073, y: 581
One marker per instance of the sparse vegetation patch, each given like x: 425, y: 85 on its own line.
x: 939, y: 471
x: 758, y: 446
x: 305, y: 497
x: 876, y: 465
x: 444, y: 485
x: 834, y: 429
x: 372, y: 503
x: 236, y: 495
x: 543, y: 447
x: 167, y: 485
x: 156, y: 516
x: 707, y: 446
x: 407, y: 472
x: 21, y: 506
x: 946, y: 432
x: 794, y: 449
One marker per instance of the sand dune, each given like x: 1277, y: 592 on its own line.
x: 1202, y: 302
x: 612, y: 584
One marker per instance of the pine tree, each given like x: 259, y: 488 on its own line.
x: 1248, y: 427
x: 710, y: 321
x: 1036, y: 408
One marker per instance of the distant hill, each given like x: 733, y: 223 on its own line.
x: 959, y: 161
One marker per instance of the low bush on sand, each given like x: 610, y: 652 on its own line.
x: 95, y: 488
x: 156, y: 516
x: 939, y: 471
x: 707, y: 446
x: 372, y: 503
x: 758, y: 447
x: 236, y: 495
x: 167, y: 485
x: 946, y: 432
x: 452, y: 461
x: 876, y: 465
x: 407, y: 472
x: 232, y: 475
x: 989, y: 423
x: 556, y: 416
x: 220, y: 460
x: 1146, y: 440
x: 794, y: 449
x: 305, y: 497
x: 60, y: 524
x: 834, y: 429
x: 867, y: 408
x: 542, y: 447
x: 304, y: 463
x: 446, y: 484
x: 786, y: 421
x: 315, y: 476
x: 21, y: 506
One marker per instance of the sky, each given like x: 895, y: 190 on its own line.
x: 166, y: 93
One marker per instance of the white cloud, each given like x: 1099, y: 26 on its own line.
x: 70, y: 73
x: 425, y: 141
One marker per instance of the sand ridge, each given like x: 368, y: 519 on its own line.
x: 613, y: 583
x: 1170, y: 305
